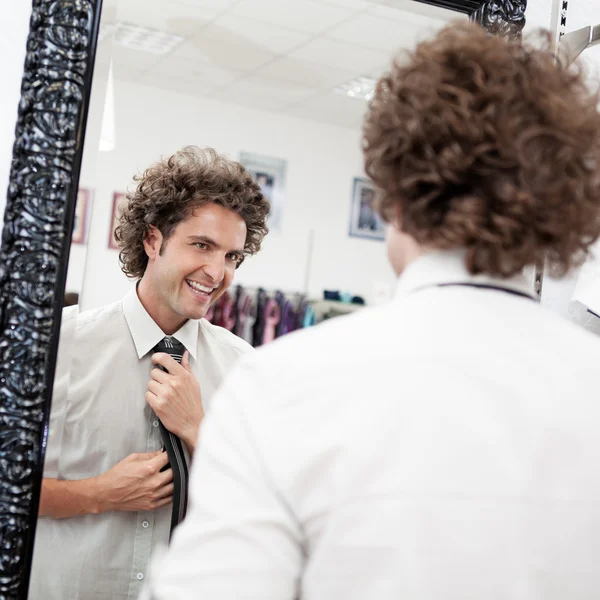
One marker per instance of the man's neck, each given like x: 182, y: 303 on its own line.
x: 168, y: 322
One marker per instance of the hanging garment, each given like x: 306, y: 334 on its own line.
x: 240, y: 304
x: 288, y: 318
x: 300, y: 311
x: 272, y: 318
x: 310, y: 317
x: 246, y: 318
x: 228, y: 312
x: 173, y: 445
x: 259, y: 326
x: 217, y: 318
x: 281, y: 300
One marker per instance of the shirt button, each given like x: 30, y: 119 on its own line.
x: 145, y: 524
x: 155, y: 423
x: 140, y: 576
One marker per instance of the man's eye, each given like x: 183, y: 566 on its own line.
x: 200, y: 245
x: 233, y: 257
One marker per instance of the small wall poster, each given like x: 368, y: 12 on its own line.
x: 365, y: 221
x: 269, y: 173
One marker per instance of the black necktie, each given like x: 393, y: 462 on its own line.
x: 173, y: 444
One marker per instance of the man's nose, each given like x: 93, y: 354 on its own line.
x: 215, y: 268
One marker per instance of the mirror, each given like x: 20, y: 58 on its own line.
x: 282, y: 88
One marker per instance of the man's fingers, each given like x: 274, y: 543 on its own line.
x: 154, y: 387
x: 159, y: 461
x: 140, y: 456
x: 163, y: 502
x: 167, y: 361
x: 166, y: 491
x: 185, y: 361
x: 159, y: 375
x: 165, y: 477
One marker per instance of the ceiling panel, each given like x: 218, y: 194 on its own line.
x: 379, y: 34
x: 180, y: 19
x: 283, y: 56
x: 314, y: 75
x: 196, y: 71
x: 308, y: 15
x: 188, y: 86
x: 208, y: 5
x: 341, y: 55
x: 136, y: 60
x: 351, y: 4
x: 261, y: 35
x: 224, y: 48
x: 283, y: 92
x: 264, y: 94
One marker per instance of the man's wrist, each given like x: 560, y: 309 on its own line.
x: 95, y: 500
x: 189, y: 439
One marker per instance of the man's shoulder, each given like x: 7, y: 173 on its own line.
x: 223, y: 338
x: 95, y: 318
x: 329, y: 343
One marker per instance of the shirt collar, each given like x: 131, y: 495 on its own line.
x: 146, y: 333
x: 448, y: 266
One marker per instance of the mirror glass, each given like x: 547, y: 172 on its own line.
x: 281, y: 87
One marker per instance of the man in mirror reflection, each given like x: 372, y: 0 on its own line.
x: 108, y: 489
x: 444, y: 445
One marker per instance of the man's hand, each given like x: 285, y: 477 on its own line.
x: 175, y: 397
x: 136, y: 483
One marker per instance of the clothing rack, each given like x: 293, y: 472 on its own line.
x: 259, y: 316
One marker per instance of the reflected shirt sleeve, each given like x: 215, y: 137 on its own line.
x: 60, y: 391
x: 239, y: 539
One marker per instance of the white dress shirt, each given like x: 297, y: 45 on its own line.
x: 100, y: 416
x: 445, y: 446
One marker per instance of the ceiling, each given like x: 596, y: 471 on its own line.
x: 276, y: 55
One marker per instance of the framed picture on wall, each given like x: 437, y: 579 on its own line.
x: 82, y: 211
x: 269, y: 173
x: 119, y: 200
x: 365, y: 222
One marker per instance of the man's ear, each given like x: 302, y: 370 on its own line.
x: 152, y: 242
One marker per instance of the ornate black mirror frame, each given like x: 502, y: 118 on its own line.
x: 500, y: 17
x: 36, y: 241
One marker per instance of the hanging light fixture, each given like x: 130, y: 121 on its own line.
x: 107, y: 130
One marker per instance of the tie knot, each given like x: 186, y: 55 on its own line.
x: 171, y: 346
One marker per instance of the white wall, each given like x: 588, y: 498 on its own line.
x: 322, y: 162
x: 14, y: 27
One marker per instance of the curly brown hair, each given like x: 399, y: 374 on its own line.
x: 487, y: 144
x: 170, y: 189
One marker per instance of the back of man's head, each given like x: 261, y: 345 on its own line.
x: 487, y: 144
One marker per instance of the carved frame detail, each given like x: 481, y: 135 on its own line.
x: 500, y: 17
x: 34, y: 255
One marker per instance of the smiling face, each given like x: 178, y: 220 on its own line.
x: 193, y: 267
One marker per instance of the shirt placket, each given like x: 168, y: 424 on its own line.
x: 142, y: 546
